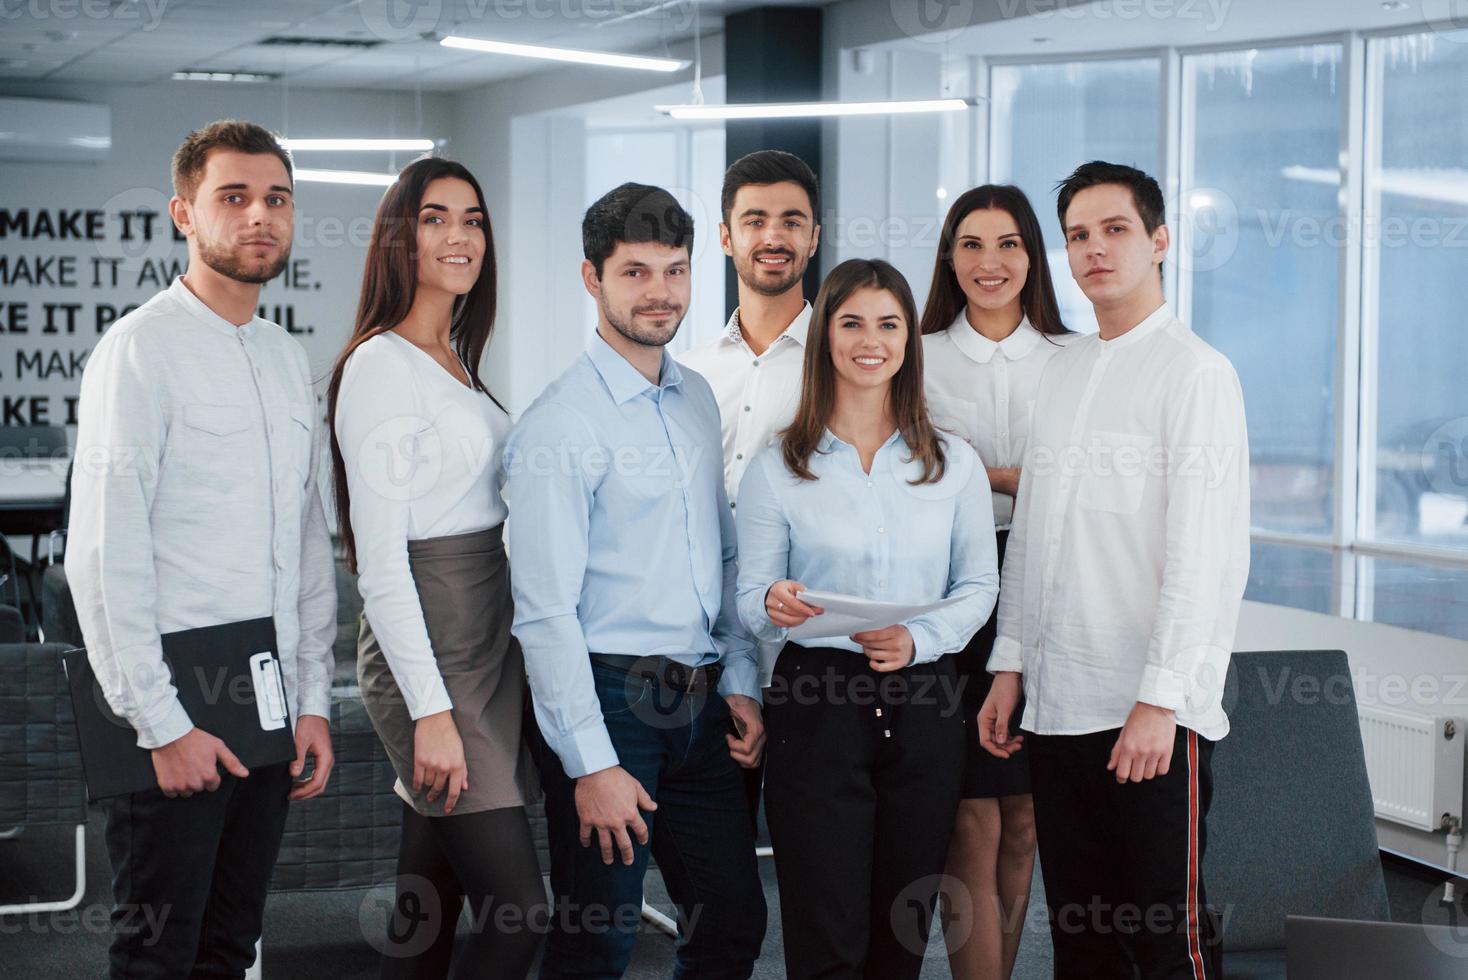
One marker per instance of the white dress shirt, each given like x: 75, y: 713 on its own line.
x: 757, y: 394
x: 876, y: 535
x: 194, y: 503
x: 422, y: 454
x: 984, y: 391
x: 1130, y: 547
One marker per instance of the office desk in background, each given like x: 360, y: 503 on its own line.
x: 32, y: 495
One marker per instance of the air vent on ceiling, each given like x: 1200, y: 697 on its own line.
x: 356, y: 43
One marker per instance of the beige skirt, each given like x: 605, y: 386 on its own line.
x: 463, y: 585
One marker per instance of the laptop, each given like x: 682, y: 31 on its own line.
x: 1346, y: 949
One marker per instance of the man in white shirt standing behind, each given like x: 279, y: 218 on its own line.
x: 770, y: 204
x: 1121, y: 592
x: 194, y: 504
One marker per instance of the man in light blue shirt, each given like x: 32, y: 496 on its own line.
x: 645, y: 686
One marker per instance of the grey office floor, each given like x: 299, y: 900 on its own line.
x: 325, y: 934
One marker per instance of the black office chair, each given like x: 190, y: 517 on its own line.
x: 20, y: 443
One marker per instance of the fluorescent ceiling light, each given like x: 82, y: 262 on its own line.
x: 563, y: 54
x: 347, y: 177
x: 356, y: 144
x: 798, y: 110
x: 193, y: 75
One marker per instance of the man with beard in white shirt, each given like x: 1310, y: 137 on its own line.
x: 771, y: 230
x: 194, y: 504
x: 1121, y: 589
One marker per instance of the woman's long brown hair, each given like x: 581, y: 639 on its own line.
x: 818, y: 384
x: 1036, y: 299
x: 389, y: 285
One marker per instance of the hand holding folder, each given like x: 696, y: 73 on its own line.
x: 229, y: 682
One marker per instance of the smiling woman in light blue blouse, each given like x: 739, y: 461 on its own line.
x: 862, y: 495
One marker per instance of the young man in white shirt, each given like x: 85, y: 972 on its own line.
x: 194, y: 504
x: 771, y: 231
x: 1121, y: 592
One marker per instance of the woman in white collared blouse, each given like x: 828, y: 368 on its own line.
x: 990, y: 326
x: 862, y: 496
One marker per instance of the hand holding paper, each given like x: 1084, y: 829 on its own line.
x: 848, y: 614
x: 784, y: 609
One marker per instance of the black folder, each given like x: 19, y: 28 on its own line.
x: 229, y: 681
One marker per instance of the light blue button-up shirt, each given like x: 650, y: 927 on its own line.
x: 621, y: 539
x: 873, y: 535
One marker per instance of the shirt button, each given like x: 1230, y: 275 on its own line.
x: 746, y: 408
x: 869, y: 483
x: 738, y: 455
x: 731, y: 505
x: 755, y: 363
x: 881, y: 530
x: 881, y: 585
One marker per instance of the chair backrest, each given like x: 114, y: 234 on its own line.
x: 40, y: 766
x: 1292, y: 828
x: 32, y: 441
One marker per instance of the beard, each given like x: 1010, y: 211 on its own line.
x: 646, y: 336
x: 748, y: 271
x: 228, y: 262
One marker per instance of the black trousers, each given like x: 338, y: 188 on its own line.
x: 1123, y: 862
x: 861, y: 789
x: 189, y: 876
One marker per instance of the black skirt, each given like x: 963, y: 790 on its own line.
x: 987, y: 776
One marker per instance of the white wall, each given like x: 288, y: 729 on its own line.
x: 148, y: 124
x: 503, y: 136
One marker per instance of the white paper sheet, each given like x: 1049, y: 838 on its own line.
x: 847, y: 614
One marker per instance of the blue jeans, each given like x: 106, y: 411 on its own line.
x: 673, y: 744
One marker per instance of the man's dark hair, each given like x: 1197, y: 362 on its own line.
x: 226, y: 134
x: 634, y: 213
x: 1146, y: 195
x: 769, y: 167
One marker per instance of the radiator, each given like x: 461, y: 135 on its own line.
x: 1415, y: 764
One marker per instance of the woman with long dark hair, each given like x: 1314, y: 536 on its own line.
x: 990, y: 324
x: 416, y: 442
x: 862, y: 496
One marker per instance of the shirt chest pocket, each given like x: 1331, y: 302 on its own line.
x: 217, y: 446
x: 1114, y: 474
x: 296, y: 442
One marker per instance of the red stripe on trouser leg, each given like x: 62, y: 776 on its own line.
x: 1195, y: 946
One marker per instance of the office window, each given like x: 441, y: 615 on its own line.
x: 1418, y: 595
x: 1416, y: 257
x: 1047, y: 119
x: 1261, y: 253
x: 1285, y: 575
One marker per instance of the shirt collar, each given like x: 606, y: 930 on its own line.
x: 981, y: 349
x: 186, y: 298
x: 797, y: 330
x: 830, y: 440
x: 622, y: 379
x: 1158, y: 318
